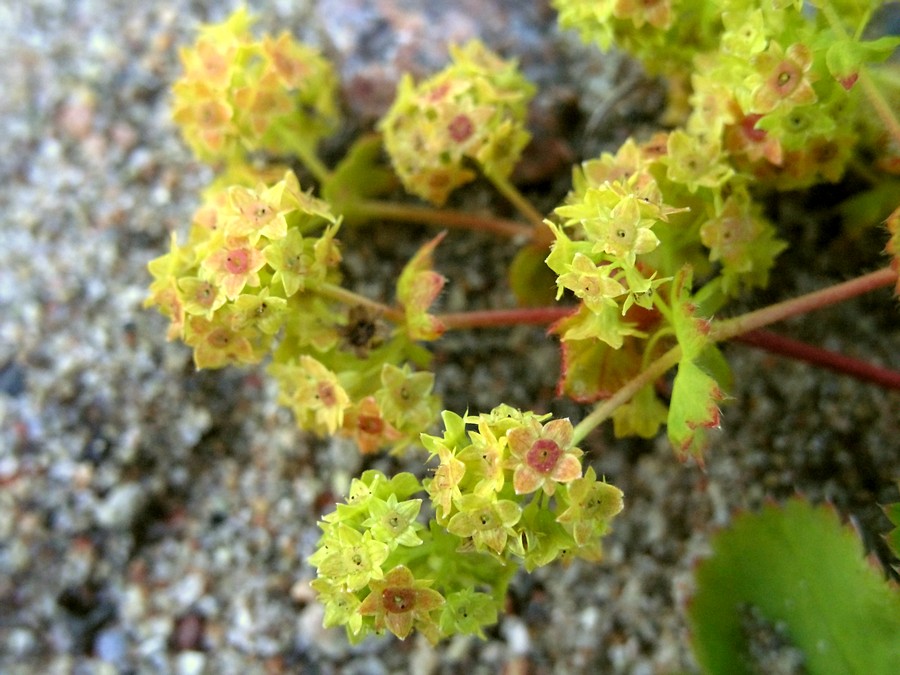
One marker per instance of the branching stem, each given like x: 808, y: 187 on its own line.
x: 731, y: 328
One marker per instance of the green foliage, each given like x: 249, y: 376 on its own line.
x: 793, y: 575
x: 650, y: 243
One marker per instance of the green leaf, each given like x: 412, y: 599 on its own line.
x: 893, y: 537
x: 592, y: 370
x: 417, y: 288
x: 360, y: 174
x: 695, y: 394
x: 641, y: 416
x: 844, y: 57
x: 798, y: 572
x: 532, y: 282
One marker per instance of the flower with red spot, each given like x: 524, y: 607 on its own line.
x: 365, y: 423
x: 234, y: 266
x: 400, y: 602
x: 786, y: 77
x: 542, y: 456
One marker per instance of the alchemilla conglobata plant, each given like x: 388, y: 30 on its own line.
x: 650, y: 243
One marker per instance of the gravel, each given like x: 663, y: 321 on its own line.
x: 157, y: 519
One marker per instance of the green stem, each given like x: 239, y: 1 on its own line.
x: 606, y: 408
x: 730, y: 328
x: 517, y: 199
x: 440, y: 217
x: 350, y: 298
x: 312, y: 162
x: 882, y: 107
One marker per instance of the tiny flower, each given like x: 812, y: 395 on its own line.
x: 405, y: 397
x: 614, y: 222
x: 443, y: 488
x: 352, y: 559
x: 590, y: 282
x: 216, y: 344
x: 365, y: 423
x: 785, y: 77
x: 592, y: 504
x: 314, y: 393
x: 400, y: 602
x: 486, y: 520
x: 200, y: 297
x: 696, y: 161
x: 658, y: 13
x: 291, y: 259
x: 394, y: 522
x: 467, y: 612
x: 234, y: 266
x: 730, y: 235
x: 542, y: 456
x: 484, y: 458
x: 255, y: 214
x: 341, y: 606
x: 205, y: 117
x: 260, y: 310
x: 288, y: 59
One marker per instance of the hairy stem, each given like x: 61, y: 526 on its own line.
x: 729, y: 328
x: 350, y: 298
x: 491, y: 318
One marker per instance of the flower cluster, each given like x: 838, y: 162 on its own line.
x: 472, y: 111
x: 511, y: 491
x: 254, y: 278
x: 239, y: 95
x: 380, y: 568
x: 512, y: 487
x: 770, y: 86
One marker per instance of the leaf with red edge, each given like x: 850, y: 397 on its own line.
x: 893, y: 245
x: 695, y: 394
x: 417, y: 288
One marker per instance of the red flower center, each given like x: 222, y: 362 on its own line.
x: 237, y: 261
x: 460, y: 128
x: 543, y: 455
x: 787, y: 78
x: 398, y: 600
x: 369, y: 424
x: 748, y: 126
x: 326, y: 394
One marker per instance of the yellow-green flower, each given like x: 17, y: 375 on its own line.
x: 400, y: 602
x: 486, y: 520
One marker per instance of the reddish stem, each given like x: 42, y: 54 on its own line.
x: 785, y: 346
x: 490, y: 318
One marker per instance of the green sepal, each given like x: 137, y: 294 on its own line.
x: 417, y: 288
x: 641, y: 416
x: 846, y: 56
x: 799, y: 571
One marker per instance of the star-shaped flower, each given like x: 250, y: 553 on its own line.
x: 400, y: 602
x: 542, y: 456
